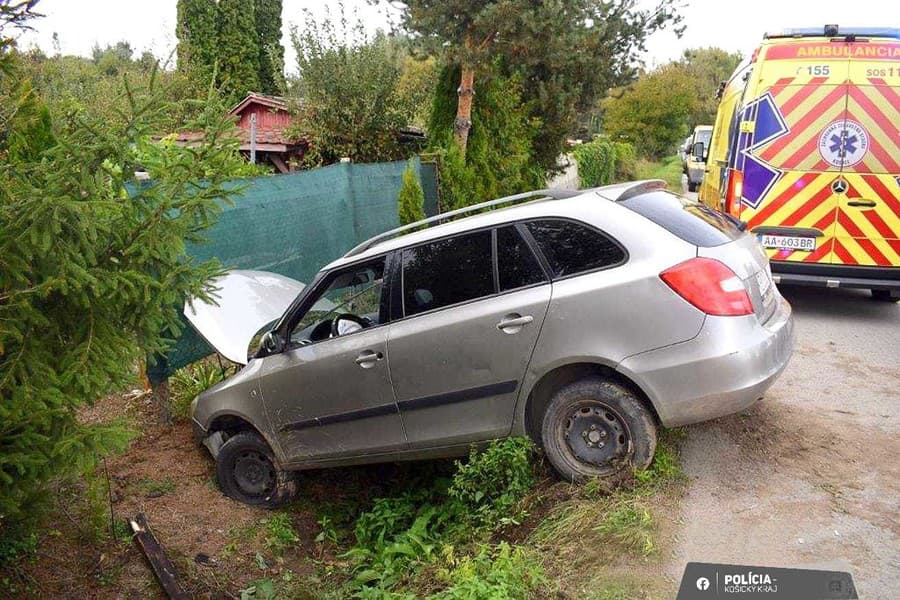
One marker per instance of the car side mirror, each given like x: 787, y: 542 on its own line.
x: 271, y: 343
x: 697, y: 150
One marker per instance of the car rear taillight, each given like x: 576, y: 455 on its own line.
x: 733, y: 193
x: 710, y: 286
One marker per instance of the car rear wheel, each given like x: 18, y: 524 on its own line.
x: 597, y: 428
x: 886, y: 295
x: 692, y: 187
x: 246, y: 471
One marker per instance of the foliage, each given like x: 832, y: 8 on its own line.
x: 401, y: 533
x: 271, y: 52
x: 280, y: 533
x: 91, y: 275
x: 239, y: 42
x: 708, y: 68
x: 238, y: 49
x: 411, y: 200
x: 626, y: 162
x: 197, y: 32
x: 498, y: 160
x: 630, y: 527
x: 348, y: 92
x: 569, y: 53
x: 596, y: 163
x: 188, y: 382
x: 502, y: 572
x: 653, y: 114
x: 493, y: 482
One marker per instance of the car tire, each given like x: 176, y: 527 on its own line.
x: 886, y: 295
x: 596, y: 428
x: 247, y: 472
x: 692, y: 187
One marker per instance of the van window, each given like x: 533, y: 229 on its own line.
x: 516, y: 263
x: 693, y: 222
x: 447, y: 272
x: 572, y: 248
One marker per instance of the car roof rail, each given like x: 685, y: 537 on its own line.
x: 545, y: 194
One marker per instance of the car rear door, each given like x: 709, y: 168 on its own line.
x: 867, y: 228
x: 788, y: 201
x: 469, y: 319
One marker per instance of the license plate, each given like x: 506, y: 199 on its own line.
x: 788, y: 242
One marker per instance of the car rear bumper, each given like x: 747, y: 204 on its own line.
x: 727, y: 367
x: 820, y: 275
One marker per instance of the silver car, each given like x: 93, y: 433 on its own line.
x: 584, y: 320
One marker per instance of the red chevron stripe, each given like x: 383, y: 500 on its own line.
x: 878, y: 223
x: 874, y: 113
x: 810, y: 205
x: 826, y: 221
x: 802, y: 125
x: 802, y: 152
x: 802, y: 94
x: 882, y: 87
x: 820, y: 252
x: 861, y: 239
x: 774, y: 204
x: 842, y: 254
x: 883, y: 193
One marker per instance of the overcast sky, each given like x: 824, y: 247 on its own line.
x: 734, y: 26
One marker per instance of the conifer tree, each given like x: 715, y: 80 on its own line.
x: 197, y: 32
x: 238, y: 48
x: 271, y: 52
x: 411, y: 200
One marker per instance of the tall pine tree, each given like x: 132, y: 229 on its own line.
x: 197, y: 32
x: 271, y: 52
x: 238, y: 47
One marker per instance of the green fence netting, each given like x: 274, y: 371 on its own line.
x: 294, y: 224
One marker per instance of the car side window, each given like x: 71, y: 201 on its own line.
x: 447, y: 272
x: 571, y: 247
x: 517, y: 265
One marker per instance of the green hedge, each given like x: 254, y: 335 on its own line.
x: 601, y: 162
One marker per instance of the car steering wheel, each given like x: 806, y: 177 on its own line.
x: 353, y: 319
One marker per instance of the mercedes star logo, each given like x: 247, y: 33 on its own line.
x: 839, y: 186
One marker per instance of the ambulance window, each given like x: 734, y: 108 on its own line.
x: 693, y: 222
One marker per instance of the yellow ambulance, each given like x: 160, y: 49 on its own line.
x: 806, y: 151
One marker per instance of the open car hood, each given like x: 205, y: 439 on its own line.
x: 246, y: 301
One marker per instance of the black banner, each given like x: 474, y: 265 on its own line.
x: 705, y: 581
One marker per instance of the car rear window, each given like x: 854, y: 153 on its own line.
x: 571, y: 248
x: 692, y: 221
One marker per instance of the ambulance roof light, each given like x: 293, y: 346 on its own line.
x: 834, y: 31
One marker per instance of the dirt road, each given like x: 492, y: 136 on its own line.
x: 810, y: 476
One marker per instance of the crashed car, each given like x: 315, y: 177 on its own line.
x: 583, y: 320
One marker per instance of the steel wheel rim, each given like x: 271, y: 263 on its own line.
x: 596, y: 435
x: 254, y: 474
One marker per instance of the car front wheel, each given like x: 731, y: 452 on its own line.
x: 246, y: 471
x: 597, y: 428
x: 886, y: 295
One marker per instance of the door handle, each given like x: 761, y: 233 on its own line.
x: 368, y: 359
x: 514, y: 322
x: 861, y: 202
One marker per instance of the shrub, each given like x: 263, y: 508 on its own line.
x: 494, y: 481
x: 411, y: 200
x: 500, y: 572
x: 625, y: 168
x: 596, y: 163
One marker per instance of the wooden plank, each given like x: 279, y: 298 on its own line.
x: 156, y: 556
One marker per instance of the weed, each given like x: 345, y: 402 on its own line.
x: 666, y: 465
x: 187, y: 383
x: 630, y: 527
x: 328, y: 533
x: 500, y: 572
x: 280, y: 534
x: 492, y: 484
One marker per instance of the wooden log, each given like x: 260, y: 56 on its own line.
x: 156, y: 556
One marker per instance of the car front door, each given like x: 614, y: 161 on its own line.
x: 328, y: 395
x: 467, y: 332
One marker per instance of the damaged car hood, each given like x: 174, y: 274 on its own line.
x: 245, y: 302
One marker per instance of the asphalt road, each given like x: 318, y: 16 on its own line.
x: 809, y: 477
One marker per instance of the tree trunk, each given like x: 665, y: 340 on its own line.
x: 163, y: 401
x: 466, y: 91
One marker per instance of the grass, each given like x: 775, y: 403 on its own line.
x: 156, y: 487
x: 668, y: 169
x: 186, y: 383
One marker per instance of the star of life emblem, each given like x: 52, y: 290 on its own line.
x: 843, y: 143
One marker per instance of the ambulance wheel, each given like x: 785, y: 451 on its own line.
x: 885, y: 295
